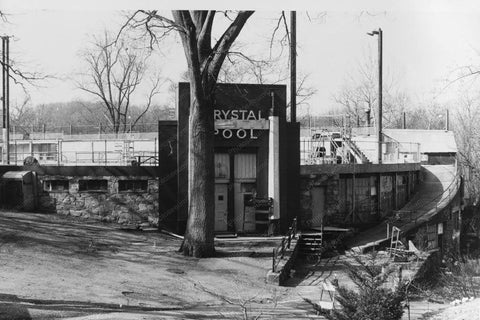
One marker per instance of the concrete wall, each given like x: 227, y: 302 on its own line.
x: 354, y: 195
x: 429, y: 237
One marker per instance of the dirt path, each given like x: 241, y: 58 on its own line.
x: 466, y: 311
x: 76, y: 268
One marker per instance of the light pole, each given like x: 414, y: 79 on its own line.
x: 6, y: 98
x: 293, y: 66
x: 379, y: 33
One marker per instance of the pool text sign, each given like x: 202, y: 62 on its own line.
x: 239, y: 123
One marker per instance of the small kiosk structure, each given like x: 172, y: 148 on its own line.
x: 257, y: 161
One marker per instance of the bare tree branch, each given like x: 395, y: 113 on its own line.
x: 116, y: 71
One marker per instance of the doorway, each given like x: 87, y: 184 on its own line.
x: 244, y: 184
x: 221, y: 207
x: 318, y: 206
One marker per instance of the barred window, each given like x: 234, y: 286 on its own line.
x: 55, y: 185
x: 133, y: 185
x: 93, y: 185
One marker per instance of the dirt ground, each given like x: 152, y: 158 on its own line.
x: 466, y: 311
x: 53, y: 266
x: 57, y: 267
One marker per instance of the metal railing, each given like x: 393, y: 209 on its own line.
x: 83, y: 152
x: 440, y: 200
x: 279, y: 252
x: 72, y: 158
x: 44, y: 131
x: 326, y: 151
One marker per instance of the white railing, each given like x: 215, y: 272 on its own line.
x: 315, y: 151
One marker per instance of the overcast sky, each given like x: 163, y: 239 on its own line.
x: 424, y: 41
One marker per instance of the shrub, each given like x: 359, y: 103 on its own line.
x: 372, y: 300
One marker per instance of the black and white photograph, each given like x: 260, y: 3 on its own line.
x: 244, y: 160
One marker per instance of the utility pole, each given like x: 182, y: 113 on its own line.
x: 379, y: 33
x: 6, y: 97
x: 293, y: 66
x: 447, y: 121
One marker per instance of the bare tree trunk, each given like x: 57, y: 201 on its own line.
x: 199, y: 236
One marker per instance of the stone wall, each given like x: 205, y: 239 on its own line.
x: 353, y: 195
x: 329, y: 183
x: 442, y: 232
x: 132, y: 206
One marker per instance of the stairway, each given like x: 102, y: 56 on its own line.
x: 357, y: 153
x: 310, y: 245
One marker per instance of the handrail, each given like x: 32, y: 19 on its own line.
x: 452, y: 187
x: 279, y: 252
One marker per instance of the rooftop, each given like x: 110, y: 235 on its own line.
x: 431, y: 141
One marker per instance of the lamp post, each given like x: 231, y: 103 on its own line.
x: 379, y: 33
x: 6, y: 99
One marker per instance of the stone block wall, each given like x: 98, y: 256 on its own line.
x: 354, y: 195
x: 332, y: 205
x: 111, y: 204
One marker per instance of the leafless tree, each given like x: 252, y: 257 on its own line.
x: 20, y: 74
x: 205, y: 57
x: 358, y: 96
x: 116, y: 71
x: 467, y: 133
x: 242, y: 68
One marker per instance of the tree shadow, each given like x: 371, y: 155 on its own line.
x: 308, y: 273
x: 13, y: 307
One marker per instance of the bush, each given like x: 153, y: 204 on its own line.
x: 372, y: 300
x: 460, y: 278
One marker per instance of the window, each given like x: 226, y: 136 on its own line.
x: 55, y: 185
x: 133, y: 185
x: 93, y: 185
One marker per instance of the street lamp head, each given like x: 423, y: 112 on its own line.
x: 374, y: 32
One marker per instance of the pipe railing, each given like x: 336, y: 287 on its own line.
x: 144, y: 158
x: 440, y: 201
x: 279, y: 252
x: 324, y: 151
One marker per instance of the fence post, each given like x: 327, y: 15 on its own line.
x: 273, y: 261
x: 59, y: 154
x: 155, y: 149
x: 105, y: 151
x: 289, y: 237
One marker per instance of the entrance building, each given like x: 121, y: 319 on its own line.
x: 257, y: 161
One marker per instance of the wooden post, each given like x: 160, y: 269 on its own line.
x: 59, y: 153
x: 105, y: 151
x: 273, y: 261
